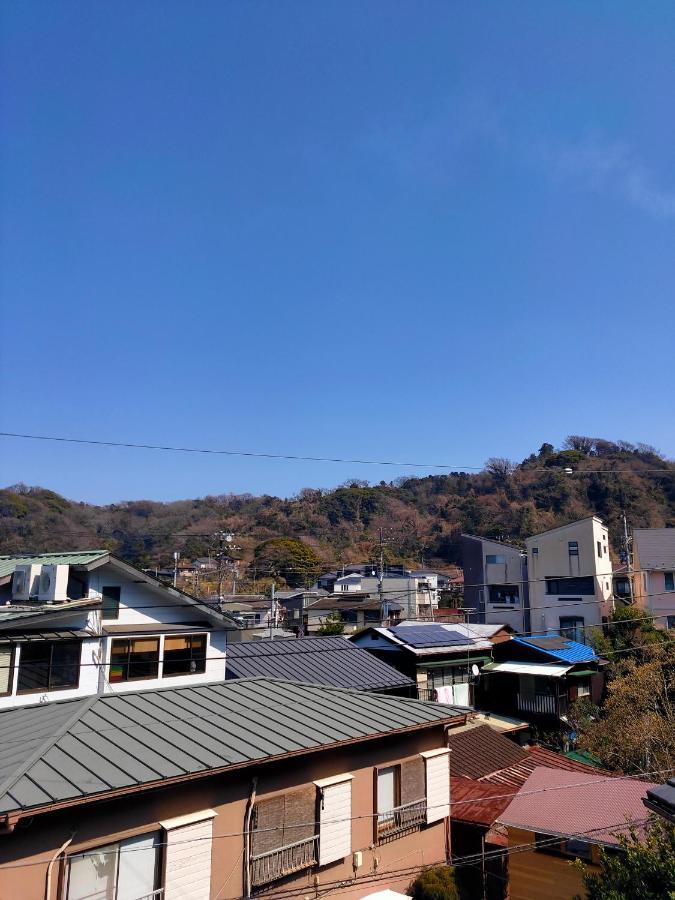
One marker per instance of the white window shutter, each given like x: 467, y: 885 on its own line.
x: 187, y: 867
x: 335, y: 818
x: 437, y: 764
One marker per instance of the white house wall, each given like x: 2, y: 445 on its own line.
x: 90, y: 657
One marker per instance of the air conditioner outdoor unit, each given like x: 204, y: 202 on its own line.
x: 53, y: 584
x: 25, y: 582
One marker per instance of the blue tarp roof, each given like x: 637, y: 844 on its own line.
x: 558, y: 647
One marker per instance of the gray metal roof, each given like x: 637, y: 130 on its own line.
x: 82, y: 558
x: 333, y: 661
x: 77, y: 749
x: 655, y: 547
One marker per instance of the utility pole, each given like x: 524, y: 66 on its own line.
x: 272, y: 604
x: 176, y: 557
x: 224, y: 546
x: 384, y: 612
x: 629, y: 555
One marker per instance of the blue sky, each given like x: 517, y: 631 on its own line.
x: 400, y: 230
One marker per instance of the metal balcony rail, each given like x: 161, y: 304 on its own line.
x: 266, y: 867
x: 545, y: 704
x: 401, y: 818
x: 427, y: 694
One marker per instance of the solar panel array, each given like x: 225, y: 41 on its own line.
x: 428, y: 636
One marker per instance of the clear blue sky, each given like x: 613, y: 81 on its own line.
x: 436, y: 231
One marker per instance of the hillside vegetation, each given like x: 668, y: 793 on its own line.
x: 422, y: 517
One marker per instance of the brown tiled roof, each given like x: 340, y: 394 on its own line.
x: 519, y: 772
x: 482, y: 751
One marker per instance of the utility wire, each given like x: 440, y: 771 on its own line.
x: 264, y: 455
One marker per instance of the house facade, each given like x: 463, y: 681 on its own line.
x: 444, y: 660
x: 539, y: 677
x: 654, y: 578
x: 569, y: 578
x: 154, y: 795
x: 77, y: 624
x: 495, y: 582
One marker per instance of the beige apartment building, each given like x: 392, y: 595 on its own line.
x: 570, y: 578
x: 654, y: 579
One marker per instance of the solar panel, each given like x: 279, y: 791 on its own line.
x: 428, y: 636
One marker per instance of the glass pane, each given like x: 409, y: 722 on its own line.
x: 91, y: 876
x: 386, y: 789
x: 119, y: 656
x: 34, y: 666
x: 137, y: 871
x: 65, y: 665
x: 110, y: 604
x: 144, y: 658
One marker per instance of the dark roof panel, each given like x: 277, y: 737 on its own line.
x: 79, y: 748
x: 332, y: 661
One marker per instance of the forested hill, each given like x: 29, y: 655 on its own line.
x: 423, y: 517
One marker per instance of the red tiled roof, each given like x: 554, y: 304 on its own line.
x: 596, y: 806
x: 520, y: 771
x: 477, y: 802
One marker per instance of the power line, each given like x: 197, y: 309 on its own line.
x: 287, y: 456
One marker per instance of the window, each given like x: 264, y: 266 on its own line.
x: 47, y: 666
x: 669, y: 581
x: 401, y: 798
x: 130, y: 868
x: 573, y: 548
x: 6, y: 668
x: 535, y: 551
x: 184, y: 654
x: 495, y: 559
x: 504, y: 594
x: 572, y: 627
x: 283, y: 835
x: 563, y: 586
x: 584, y: 689
x: 134, y: 659
x: 557, y: 846
x: 599, y: 546
x: 110, y: 605
x: 670, y: 622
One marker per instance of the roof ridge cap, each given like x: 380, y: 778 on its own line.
x: 55, y: 736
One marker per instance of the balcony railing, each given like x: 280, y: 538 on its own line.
x: 275, y: 864
x: 427, y: 694
x: 544, y: 704
x: 401, y: 818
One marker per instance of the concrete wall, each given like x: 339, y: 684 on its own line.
x: 652, y: 596
x: 553, y: 560
x: 94, y: 825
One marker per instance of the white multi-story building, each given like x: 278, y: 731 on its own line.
x: 570, y: 578
x: 79, y: 624
x: 416, y: 592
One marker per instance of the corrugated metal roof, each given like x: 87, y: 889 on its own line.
x: 75, y: 749
x: 548, y: 670
x: 655, y: 547
x: 601, y: 805
x: 9, y: 563
x: 570, y: 651
x: 11, y: 614
x: 481, y: 751
x: 332, y: 661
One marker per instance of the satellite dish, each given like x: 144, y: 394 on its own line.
x: 228, y: 538
x: 475, y: 671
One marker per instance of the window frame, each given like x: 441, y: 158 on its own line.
x: 495, y: 559
x: 189, y: 637
x: 106, y: 614
x: 573, y: 548
x: 130, y: 640
x: 558, y: 845
x: 49, y: 689
x: 116, y: 846
x: 11, y: 669
x: 667, y: 579
x: 578, y: 584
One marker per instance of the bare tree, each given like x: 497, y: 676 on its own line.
x: 500, y: 468
x: 579, y: 442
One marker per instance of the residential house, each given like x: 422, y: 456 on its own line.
x: 256, y: 614
x: 577, y: 818
x: 487, y: 771
x: 654, y: 579
x: 570, y: 577
x: 444, y: 660
x: 334, y: 661
x: 357, y: 610
x: 416, y: 592
x: 539, y: 677
x: 155, y: 793
x: 293, y: 604
x: 495, y: 582
x: 77, y: 624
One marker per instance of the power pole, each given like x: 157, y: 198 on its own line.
x: 384, y: 612
x: 629, y: 555
x: 224, y: 546
x: 176, y: 557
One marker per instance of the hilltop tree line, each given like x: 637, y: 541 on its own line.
x: 422, y: 517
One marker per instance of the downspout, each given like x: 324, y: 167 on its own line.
x: 247, y: 839
x: 48, y: 884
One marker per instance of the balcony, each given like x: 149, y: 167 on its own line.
x: 541, y: 704
x: 401, y: 818
x: 275, y: 864
x: 427, y: 693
